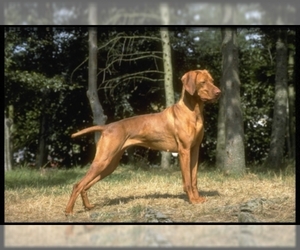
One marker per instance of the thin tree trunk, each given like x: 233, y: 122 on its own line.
x: 291, y: 123
x: 169, y: 91
x: 291, y: 108
x: 92, y: 93
x: 275, y: 157
x: 221, y: 145
x: 41, y: 157
x: 234, y: 161
x: 42, y: 151
x: 7, y: 148
x: 8, y: 124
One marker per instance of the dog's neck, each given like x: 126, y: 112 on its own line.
x: 193, y: 103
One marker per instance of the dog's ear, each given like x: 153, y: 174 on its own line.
x: 189, y: 82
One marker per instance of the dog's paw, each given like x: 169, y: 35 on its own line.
x: 89, y: 207
x: 198, y: 200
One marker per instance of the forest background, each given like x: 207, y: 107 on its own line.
x: 46, y: 82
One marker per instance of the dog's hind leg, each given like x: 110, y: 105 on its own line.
x: 107, y: 171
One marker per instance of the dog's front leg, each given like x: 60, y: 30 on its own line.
x: 185, y: 163
x: 194, y: 172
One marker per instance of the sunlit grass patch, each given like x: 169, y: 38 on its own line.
x: 126, y: 194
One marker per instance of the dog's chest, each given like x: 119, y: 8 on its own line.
x: 196, y: 126
x: 199, y: 128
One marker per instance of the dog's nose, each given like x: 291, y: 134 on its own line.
x: 217, y: 92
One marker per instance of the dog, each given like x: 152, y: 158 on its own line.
x: 178, y: 128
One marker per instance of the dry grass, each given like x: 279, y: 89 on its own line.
x: 124, y: 196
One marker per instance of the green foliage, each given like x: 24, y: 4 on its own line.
x: 36, y: 87
x: 46, y: 75
x: 257, y: 73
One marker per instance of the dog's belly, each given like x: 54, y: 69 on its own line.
x: 162, y: 146
x: 156, y: 143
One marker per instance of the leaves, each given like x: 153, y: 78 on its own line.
x: 46, y: 74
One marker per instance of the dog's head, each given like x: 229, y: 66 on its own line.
x: 200, y: 83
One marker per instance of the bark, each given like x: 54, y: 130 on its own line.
x: 291, y: 122
x: 98, y: 114
x: 7, y: 147
x: 234, y: 161
x: 291, y: 109
x: 221, y: 146
x: 41, y: 157
x: 8, y: 125
x: 168, y: 76
x: 275, y: 157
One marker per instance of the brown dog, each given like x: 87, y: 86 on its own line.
x: 179, y: 128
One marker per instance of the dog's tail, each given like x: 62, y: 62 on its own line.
x: 88, y: 130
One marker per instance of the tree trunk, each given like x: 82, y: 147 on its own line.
x: 234, y: 161
x: 275, y: 156
x: 41, y: 157
x: 42, y: 151
x: 291, y: 109
x: 291, y: 122
x: 7, y: 148
x: 169, y: 91
x: 220, y: 150
x: 98, y: 115
x: 8, y: 124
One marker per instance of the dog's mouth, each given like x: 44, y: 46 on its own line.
x: 214, y: 100
x: 211, y: 100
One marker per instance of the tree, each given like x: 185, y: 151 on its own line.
x: 41, y: 61
x: 221, y: 138
x: 234, y: 156
x: 92, y: 93
x: 291, y: 101
x: 275, y: 156
x: 42, y: 152
x: 38, y: 63
x: 168, y: 75
x: 7, y: 146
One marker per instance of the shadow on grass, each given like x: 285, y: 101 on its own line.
x: 125, y: 200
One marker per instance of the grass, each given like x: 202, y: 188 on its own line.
x: 124, y: 196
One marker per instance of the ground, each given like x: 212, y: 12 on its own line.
x: 132, y: 195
